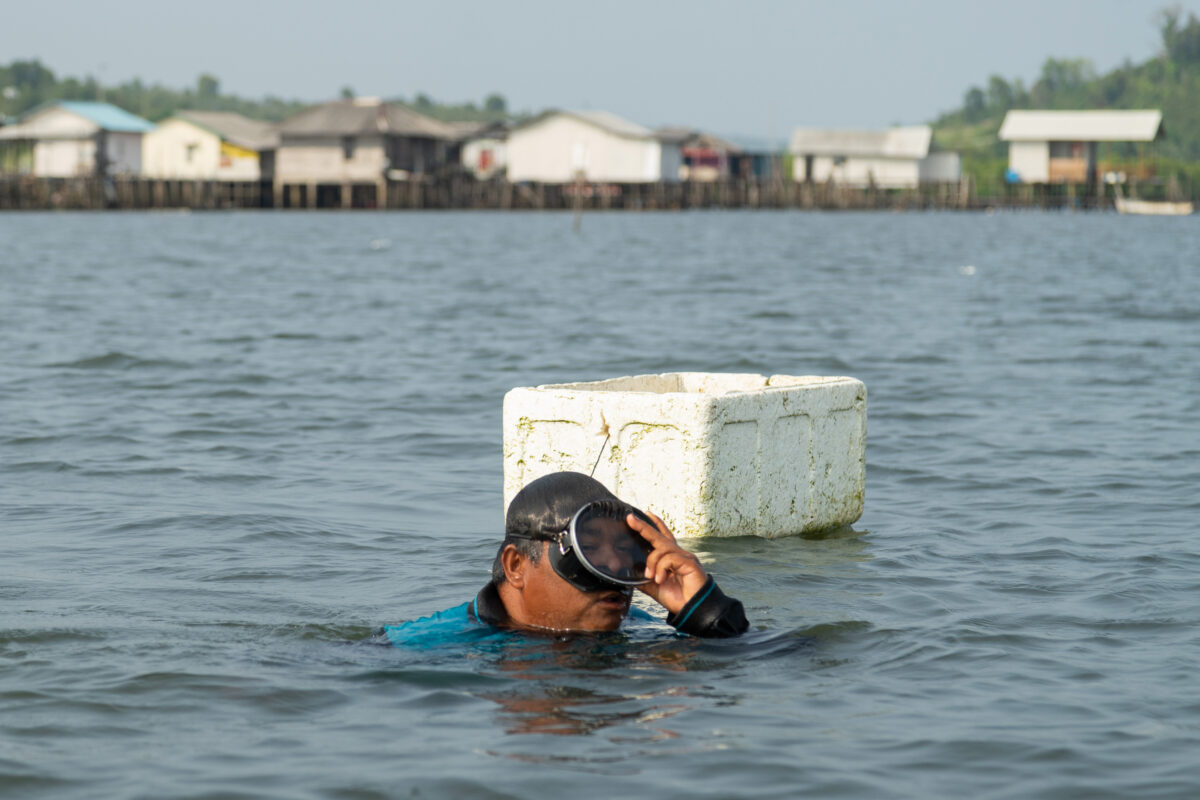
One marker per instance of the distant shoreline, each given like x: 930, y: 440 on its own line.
x: 460, y: 193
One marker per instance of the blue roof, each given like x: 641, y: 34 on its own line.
x: 107, y: 116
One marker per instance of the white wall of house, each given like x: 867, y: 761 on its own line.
x: 940, y: 168
x: 124, y: 151
x: 887, y: 173
x: 67, y: 158
x: 551, y: 150
x: 1030, y: 160
x: 325, y: 161
x: 473, y: 156
x: 672, y: 161
x: 64, y: 158
x: 180, y: 149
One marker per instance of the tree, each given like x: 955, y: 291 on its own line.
x: 1181, y: 42
x: 974, y: 104
x: 495, y: 103
x: 30, y: 83
x: 1020, y: 95
x: 999, y: 94
x: 207, y: 87
x: 1064, y: 74
x: 347, y: 93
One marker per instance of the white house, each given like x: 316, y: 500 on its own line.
x: 561, y: 146
x: 210, y: 145
x: 1060, y: 146
x: 890, y: 159
x: 73, y: 138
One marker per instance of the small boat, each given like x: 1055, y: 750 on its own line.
x: 1162, y: 208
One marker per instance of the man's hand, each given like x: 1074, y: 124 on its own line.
x: 675, y: 574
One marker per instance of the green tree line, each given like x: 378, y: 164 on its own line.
x: 25, y: 85
x: 1169, y: 81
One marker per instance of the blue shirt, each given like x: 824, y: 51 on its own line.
x: 710, y: 613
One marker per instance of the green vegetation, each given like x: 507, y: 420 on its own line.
x: 494, y: 109
x: 1170, y: 81
x: 27, y: 84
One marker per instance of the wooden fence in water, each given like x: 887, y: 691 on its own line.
x: 463, y: 192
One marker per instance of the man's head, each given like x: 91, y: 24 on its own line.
x: 533, y: 592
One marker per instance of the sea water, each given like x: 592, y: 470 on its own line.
x: 232, y: 445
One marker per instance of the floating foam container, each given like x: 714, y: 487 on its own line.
x: 713, y: 454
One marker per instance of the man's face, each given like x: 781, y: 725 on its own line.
x: 553, y: 603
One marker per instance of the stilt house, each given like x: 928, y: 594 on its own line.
x: 1060, y: 146
x: 896, y: 158
x: 349, y: 152
x: 67, y: 139
x: 594, y: 146
x: 210, y: 145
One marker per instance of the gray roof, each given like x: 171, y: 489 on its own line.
x: 711, y: 141
x: 478, y: 130
x: 364, y: 117
x: 604, y: 120
x: 1081, y: 126
x: 242, y: 131
x: 675, y: 134
x: 905, y: 142
x: 613, y: 124
x: 690, y: 137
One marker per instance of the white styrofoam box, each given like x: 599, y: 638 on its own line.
x: 713, y: 454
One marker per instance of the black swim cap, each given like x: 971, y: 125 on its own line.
x: 544, y: 507
x: 592, y: 547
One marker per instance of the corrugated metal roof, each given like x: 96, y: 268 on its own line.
x: 91, y: 117
x: 1081, y: 126
x: 607, y: 121
x: 358, y: 118
x: 613, y: 124
x: 911, y: 141
x: 242, y: 131
x: 107, y: 116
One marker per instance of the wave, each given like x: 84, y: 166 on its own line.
x: 117, y: 360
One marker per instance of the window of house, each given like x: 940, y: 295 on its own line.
x: 348, y: 147
x: 1066, y: 150
x: 191, y: 152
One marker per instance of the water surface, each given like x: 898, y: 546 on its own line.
x: 232, y: 445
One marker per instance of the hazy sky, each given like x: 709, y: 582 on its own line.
x: 754, y: 68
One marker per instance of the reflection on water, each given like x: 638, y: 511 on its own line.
x: 565, y: 677
x: 565, y: 710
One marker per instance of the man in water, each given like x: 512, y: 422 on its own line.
x: 571, y: 556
